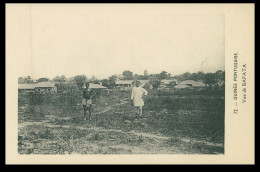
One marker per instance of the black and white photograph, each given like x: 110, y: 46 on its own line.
x: 120, y: 79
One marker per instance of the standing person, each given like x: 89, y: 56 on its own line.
x: 87, y: 102
x: 137, y: 96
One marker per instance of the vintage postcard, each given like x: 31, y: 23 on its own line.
x: 130, y: 84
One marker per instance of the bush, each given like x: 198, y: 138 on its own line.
x: 35, y: 112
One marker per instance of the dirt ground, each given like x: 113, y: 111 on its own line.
x: 113, y: 130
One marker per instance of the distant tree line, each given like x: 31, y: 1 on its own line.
x: 78, y: 81
x: 208, y: 78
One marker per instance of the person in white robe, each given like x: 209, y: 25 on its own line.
x: 138, y: 93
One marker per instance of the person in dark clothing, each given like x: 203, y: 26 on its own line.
x: 87, y: 102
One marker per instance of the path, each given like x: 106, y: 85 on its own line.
x: 96, y: 129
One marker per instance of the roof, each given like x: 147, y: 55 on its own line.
x: 193, y: 83
x: 124, y: 81
x: 163, y: 86
x: 95, y: 86
x: 181, y: 86
x: 167, y: 81
x: 142, y: 82
x: 45, y: 84
x: 26, y: 86
x: 33, y: 86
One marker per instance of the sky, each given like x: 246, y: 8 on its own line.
x: 103, y: 40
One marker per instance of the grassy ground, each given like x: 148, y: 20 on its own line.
x: 171, y: 124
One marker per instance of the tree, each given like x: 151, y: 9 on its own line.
x: 155, y: 82
x: 21, y: 80
x: 105, y: 82
x: 172, y: 84
x: 148, y: 86
x: 139, y: 77
x: 80, y: 80
x: 145, y: 77
x: 164, y: 75
x: 186, y: 76
x: 183, y: 77
x: 220, y: 75
x: 70, y: 84
x: 112, y: 80
x: 210, y: 79
x: 220, y: 80
x: 128, y: 75
x: 43, y: 80
x: 200, y: 76
x: 61, y: 86
x: 194, y: 77
x: 60, y: 79
x: 28, y: 80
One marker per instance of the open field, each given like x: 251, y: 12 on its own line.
x: 172, y: 123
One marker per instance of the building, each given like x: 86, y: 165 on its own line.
x: 96, y: 86
x: 46, y: 87
x: 181, y: 87
x: 26, y: 88
x: 119, y: 76
x: 41, y: 86
x: 146, y: 73
x: 168, y: 81
x: 194, y: 84
x: 124, y: 84
x: 129, y: 84
x: 190, y: 84
x: 165, y: 83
